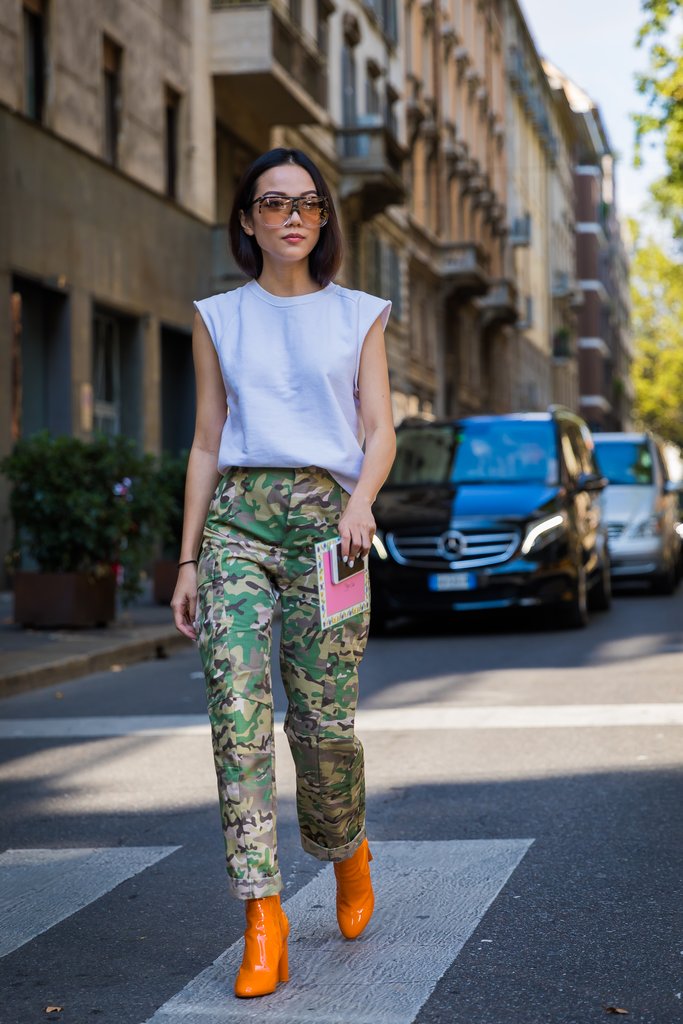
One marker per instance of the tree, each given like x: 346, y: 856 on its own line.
x: 657, y: 325
x: 662, y: 85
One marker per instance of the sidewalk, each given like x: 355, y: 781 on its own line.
x: 31, y: 658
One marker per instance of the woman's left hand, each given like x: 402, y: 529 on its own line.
x: 357, y: 528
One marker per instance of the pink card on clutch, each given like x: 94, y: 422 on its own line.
x: 339, y: 601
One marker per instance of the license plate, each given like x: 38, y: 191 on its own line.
x: 452, y: 581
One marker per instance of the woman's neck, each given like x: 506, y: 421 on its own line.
x: 287, y: 281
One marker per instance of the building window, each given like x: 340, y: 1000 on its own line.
x: 394, y: 281
x: 106, y: 375
x: 429, y: 204
x: 390, y: 20
x: 34, y: 59
x: 324, y: 9
x: 172, y: 111
x: 390, y: 118
x: 111, y: 73
x: 372, y: 96
x: 177, y: 391
x: 117, y: 365
x: 295, y: 12
x: 349, y: 110
x: 383, y: 270
x: 40, y: 357
x: 373, y: 262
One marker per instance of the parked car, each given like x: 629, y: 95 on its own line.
x: 679, y: 525
x: 641, y: 509
x: 491, y: 512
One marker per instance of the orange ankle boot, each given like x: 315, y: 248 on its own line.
x: 355, y: 898
x: 265, y: 949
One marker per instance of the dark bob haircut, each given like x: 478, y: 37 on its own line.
x: 325, y: 259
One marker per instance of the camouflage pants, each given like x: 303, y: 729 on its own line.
x: 258, y: 546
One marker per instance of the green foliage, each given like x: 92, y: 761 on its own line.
x: 662, y: 86
x: 657, y: 325
x: 83, y: 507
x: 172, y: 470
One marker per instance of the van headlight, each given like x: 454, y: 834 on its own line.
x: 648, y: 527
x: 543, y: 531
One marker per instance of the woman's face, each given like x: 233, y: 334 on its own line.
x: 293, y: 241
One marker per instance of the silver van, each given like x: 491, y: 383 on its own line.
x: 639, y: 506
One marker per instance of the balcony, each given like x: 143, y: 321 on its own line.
x: 499, y: 305
x: 565, y: 289
x: 462, y: 267
x: 562, y: 284
x: 265, y: 66
x: 371, y: 164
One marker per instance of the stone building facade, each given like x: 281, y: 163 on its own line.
x: 605, y: 352
x: 105, y: 218
x: 460, y: 301
x: 124, y: 128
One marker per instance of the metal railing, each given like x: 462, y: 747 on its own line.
x: 297, y: 53
x: 372, y: 141
x: 306, y: 67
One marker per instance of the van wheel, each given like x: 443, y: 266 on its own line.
x: 665, y: 582
x: 576, y: 612
x: 601, y: 594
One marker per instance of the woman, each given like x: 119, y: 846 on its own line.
x: 301, y: 364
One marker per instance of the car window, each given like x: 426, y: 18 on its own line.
x: 625, y: 462
x: 423, y: 455
x: 492, y: 451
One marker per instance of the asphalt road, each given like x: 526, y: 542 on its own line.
x: 489, y: 733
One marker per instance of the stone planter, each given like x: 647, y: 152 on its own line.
x: 164, y: 579
x: 70, y: 600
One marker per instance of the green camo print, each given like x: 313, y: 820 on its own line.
x: 258, y: 546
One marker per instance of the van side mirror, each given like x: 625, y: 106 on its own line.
x: 591, y: 482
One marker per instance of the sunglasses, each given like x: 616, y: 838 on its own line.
x: 275, y: 211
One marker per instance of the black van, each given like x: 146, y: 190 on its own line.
x: 491, y: 512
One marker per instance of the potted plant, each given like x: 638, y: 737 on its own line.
x: 84, y: 512
x: 171, y: 476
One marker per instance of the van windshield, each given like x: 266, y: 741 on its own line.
x: 625, y: 462
x: 496, y: 451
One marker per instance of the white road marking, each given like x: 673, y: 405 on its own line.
x: 549, y: 716
x: 40, y: 888
x: 409, y: 718
x: 430, y: 897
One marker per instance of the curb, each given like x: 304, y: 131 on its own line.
x: 154, y: 644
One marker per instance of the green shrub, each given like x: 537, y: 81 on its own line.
x: 86, y: 506
x: 172, y: 470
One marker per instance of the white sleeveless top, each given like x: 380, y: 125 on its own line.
x: 290, y: 369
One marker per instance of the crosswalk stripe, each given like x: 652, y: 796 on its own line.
x: 40, y: 888
x: 430, y: 898
x: 413, y: 718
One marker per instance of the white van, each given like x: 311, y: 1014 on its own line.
x: 640, y: 509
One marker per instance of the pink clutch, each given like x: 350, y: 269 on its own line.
x: 339, y: 601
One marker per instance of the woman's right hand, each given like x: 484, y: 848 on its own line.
x: 184, y: 602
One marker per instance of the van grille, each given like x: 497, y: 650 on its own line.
x: 477, y: 547
x: 615, y: 530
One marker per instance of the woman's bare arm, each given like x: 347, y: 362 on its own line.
x: 357, y: 525
x: 202, y: 472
